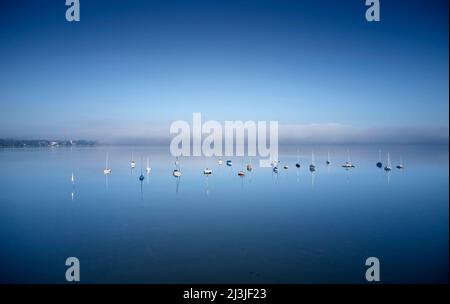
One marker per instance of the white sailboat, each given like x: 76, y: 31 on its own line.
x: 148, y: 169
x: 72, y: 179
x: 400, y: 165
x: 312, y: 166
x: 250, y: 166
x: 207, y: 171
x: 388, y: 165
x: 241, y: 172
x: 132, y: 163
x: 177, y: 172
x: 106, y: 170
x: 348, y: 164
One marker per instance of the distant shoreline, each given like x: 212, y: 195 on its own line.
x: 44, y: 143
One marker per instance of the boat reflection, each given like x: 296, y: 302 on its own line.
x: 177, y: 184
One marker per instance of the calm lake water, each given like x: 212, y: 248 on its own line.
x: 293, y: 227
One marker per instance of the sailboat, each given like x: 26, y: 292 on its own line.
x: 298, y: 160
x: 207, y: 171
x: 176, y: 172
x: 274, y: 165
x: 388, y: 166
x: 312, y: 166
x: 141, y: 177
x: 72, y: 179
x: 328, y: 162
x: 132, y: 163
x: 250, y: 166
x: 348, y: 164
x: 241, y: 172
x: 148, y: 169
x: 400, y: 165
x: 106, y: 170
x: 379, y: 163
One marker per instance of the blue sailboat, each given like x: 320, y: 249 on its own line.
x: 379, y: 163
x: 141, y: 177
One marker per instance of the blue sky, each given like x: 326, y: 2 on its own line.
x: 129, y: 68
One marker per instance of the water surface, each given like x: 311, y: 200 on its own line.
x: 294, y: 227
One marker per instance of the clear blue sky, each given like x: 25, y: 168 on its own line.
x: 131, y: 64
